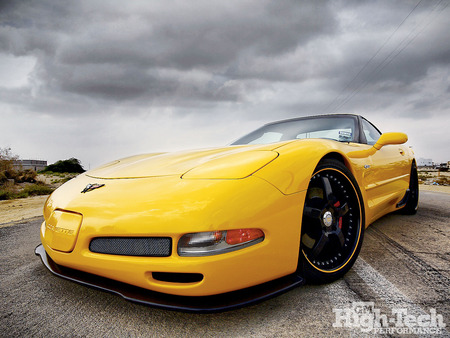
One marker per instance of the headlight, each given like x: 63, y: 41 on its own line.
x: 218, y: 242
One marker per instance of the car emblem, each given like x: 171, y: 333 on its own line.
x: 91, y: 187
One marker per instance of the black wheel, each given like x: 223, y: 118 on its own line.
x: 413, y: 201
x: 332, y: 225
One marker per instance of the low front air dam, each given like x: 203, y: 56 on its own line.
x: 204, y: 304
x: 186, y: 206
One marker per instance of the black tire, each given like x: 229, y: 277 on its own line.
x: 332, y: 225
x: 413, y: 201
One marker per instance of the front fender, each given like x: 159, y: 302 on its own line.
x: 292, y: 170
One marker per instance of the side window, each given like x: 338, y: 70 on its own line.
x: 371, y: 133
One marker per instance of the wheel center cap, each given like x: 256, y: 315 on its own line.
x: 327, y: 219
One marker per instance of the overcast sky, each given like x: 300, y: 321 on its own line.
x: 100, y: 80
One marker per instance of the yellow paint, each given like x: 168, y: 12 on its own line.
x: 390, y: 138
x: 234, y: 187
x: 61, y: 230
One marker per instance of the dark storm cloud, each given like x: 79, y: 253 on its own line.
x: 197, y: 53
x: 142, y: 75
x: 121, y: 53
x: 207, y: 35
x: 30, y: 27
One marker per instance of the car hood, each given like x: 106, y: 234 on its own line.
x: 232, y: 162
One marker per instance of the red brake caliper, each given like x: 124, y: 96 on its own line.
x: 336, y: 205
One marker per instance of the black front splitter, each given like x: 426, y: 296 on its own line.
x: 203, y: 304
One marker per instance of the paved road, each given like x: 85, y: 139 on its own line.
x: 404, y: 264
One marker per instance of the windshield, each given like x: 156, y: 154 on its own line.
x: 334, y: 128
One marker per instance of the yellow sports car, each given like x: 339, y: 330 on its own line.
x: 214, y: 229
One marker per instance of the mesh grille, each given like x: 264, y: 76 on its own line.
x: 133, y: 246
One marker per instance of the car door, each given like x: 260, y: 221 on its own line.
x: 386, y: 174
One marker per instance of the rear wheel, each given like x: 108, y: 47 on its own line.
x: 413, y: 201
x: 332, y: 225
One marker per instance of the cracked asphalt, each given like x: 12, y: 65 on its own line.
x: 403, y: 266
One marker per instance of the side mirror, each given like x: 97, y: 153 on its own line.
x: 390, y: 138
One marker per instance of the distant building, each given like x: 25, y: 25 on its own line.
x: 35, y: 165
x: 425, y: 162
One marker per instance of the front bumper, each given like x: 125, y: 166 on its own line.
x: 201, y: 304
x: 170, y: 207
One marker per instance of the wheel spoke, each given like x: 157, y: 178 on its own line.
x: 312, y: 212
x: 330, y: 198
x: 320, y: 244
x: 340, y: 236
x: 342, y: 210
x: 327, y: 187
